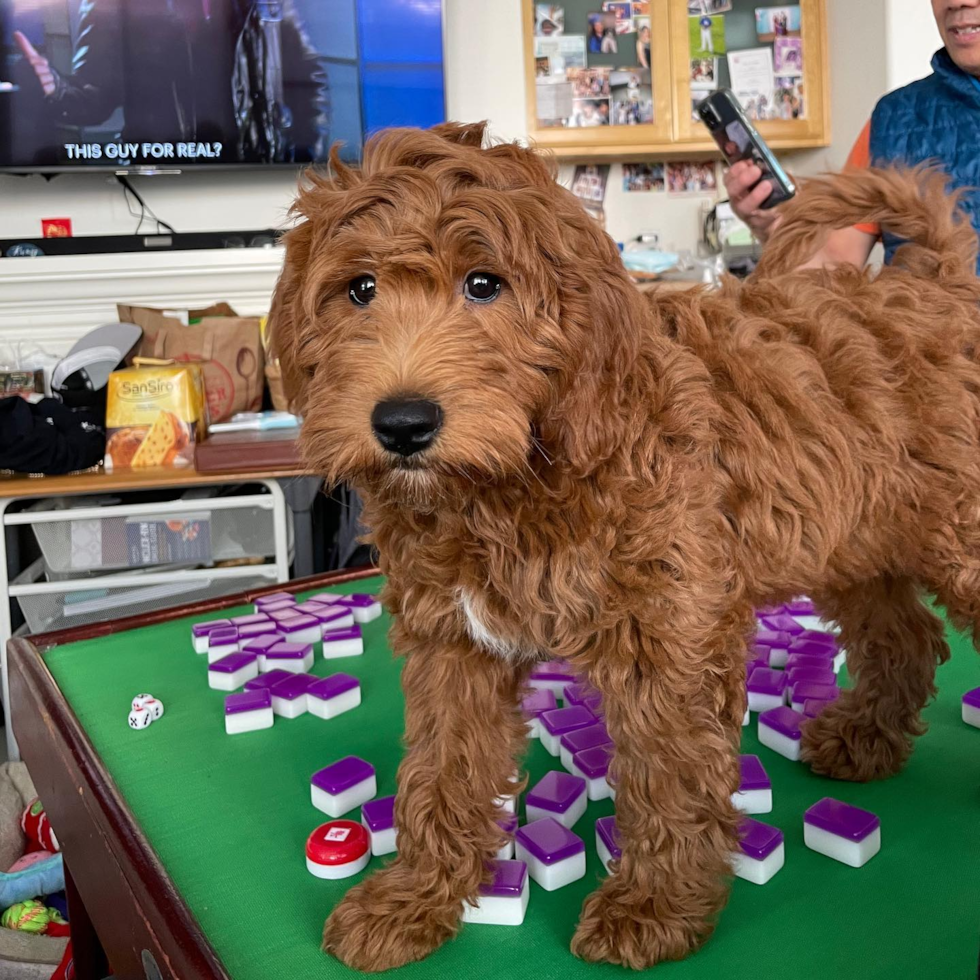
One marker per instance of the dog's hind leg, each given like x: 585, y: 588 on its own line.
x: 894, y: 644
x: 675, y: 719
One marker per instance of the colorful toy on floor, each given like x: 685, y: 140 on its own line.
x: 57, y: 925
x: 29, y: 916
x: 37, y: 829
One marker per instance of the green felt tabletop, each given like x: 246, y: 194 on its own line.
x: 229, y: 817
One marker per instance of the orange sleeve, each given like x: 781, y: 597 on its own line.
x: 860, y: 157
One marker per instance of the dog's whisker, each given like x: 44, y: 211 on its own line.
x: 536, y: 443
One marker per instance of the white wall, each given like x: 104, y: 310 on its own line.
x: 190, y: 202
x: 911, y: 39
x: 858, y: 78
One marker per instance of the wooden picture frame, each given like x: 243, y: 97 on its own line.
x: 607, y: 140
x: 812, y: 131
x: 674, y: 132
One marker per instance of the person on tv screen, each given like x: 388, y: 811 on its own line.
x: 241, y: 74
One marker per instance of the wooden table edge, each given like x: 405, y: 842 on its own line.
x: 53, y: 740
x: 22, y: 487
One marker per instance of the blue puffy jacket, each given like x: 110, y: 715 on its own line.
x: 936, y: 119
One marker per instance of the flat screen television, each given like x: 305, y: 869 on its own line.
x: 143, y: 85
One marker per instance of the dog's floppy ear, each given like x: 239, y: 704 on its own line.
x: 600, y: 318
x: 285, y: 314
x: 465, y: 134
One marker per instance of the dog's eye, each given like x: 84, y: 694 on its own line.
x: 361, y: 290
x: 482, y: 287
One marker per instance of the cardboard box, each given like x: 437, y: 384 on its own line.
x: 163, y: 540
x: 155, y: 413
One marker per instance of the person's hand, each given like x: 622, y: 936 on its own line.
x: 38, y: 62
x: 747, y: 198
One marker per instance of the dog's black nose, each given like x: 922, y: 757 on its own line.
x: 406, y: 426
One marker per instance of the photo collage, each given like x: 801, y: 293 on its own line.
x: 763, y: 67
x: 674, y: 177
x: 596, y: 72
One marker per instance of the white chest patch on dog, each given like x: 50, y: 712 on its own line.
x: 481, y: 636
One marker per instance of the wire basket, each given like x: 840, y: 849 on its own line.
x: 199, y: 537
x: 61, y: 610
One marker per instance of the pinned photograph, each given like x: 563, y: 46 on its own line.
x: 623, y: 11
x: 588, y: 113
x: 643, y: 177
x: 643, y: 40
x: 707, y: 36
x: 704, y: 74
x: 751, y: 75
x: 563, y: 51
x: 788, y: 98
x: 602, y: 33
x: 691, y: 177
x: 773, y: 22
x: 589, y: 182
x: 759, y: 105
x: 787, y: 56
x: 699, y: 7
x: 589, y: 83
x: 554, y: 101
x: 641, y: 8
x: 549, y: 19
x: 632, y: 96
x: 542, y: 67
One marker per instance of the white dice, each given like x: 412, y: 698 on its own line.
x: 140, y: 718
x: 146, y: 709
x: 155, y: 708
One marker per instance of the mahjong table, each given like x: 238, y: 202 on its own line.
x: 184, y: 846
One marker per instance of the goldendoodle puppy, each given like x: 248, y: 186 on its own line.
x: 554, y: 464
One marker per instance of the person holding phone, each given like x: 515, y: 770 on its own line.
x: 934, y: 119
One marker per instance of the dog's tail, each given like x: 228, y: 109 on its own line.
x: 914, y: 204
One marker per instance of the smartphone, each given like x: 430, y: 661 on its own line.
x: 738, y: 140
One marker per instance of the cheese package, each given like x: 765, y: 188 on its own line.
x: 155, y: 413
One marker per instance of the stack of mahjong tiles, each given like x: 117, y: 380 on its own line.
x: 271, y: 652
x: 794, y: 674
x: 792, y: 679
x: 567, y: 715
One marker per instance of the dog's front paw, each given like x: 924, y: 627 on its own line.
x: 386, y: 922
x: 623, y: 929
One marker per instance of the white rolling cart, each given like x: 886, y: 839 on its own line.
x: 75, y: 583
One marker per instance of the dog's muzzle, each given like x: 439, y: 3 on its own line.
x: 406, y: 426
